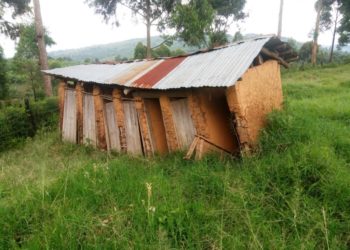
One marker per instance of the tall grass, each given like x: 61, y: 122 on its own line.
x: 293, y: 194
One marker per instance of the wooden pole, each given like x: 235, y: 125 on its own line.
x: 100, y: 120
x: 79, y: 103
x: 169, y: 125
x: 61, y: 98
x: 146, y: 137
x: 40, y: 36
x: 119, y: 116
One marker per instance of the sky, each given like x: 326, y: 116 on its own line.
x: 72, y: 24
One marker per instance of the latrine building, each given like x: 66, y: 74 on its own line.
x: 215, y: 100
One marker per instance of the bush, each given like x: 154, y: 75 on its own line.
x: 16, y: 123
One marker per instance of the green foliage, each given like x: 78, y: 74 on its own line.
x: 196, y: 21
x: 16, y: 123
x: 3, y: 78
x: 306, y: 50
x: 293, y: 194
x: 344, y: 29
x: 237, y: 37
x: 25, y: 63
x: 140, y: 51
x: 17, y: 8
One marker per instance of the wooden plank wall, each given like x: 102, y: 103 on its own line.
x: 133, y: 137
x: 112, y: 131
x: 69, y: 126
x: 183, y: 122
x: 89, y: 121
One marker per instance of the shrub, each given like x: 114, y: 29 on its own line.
x: 17, y: 123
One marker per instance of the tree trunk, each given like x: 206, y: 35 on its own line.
x: 279, y: 34
x: 317, y: 31
x: 148, y: 24
x: 334, y: 33
x: 40, y: 36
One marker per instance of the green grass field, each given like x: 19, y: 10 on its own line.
x: 293, y: 194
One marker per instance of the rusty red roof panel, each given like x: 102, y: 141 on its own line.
x: 157, y: 73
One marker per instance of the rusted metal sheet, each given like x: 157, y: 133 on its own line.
x: 152, y: 77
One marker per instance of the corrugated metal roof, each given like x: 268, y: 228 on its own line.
x: 220, y: 67
x: 149, y: 79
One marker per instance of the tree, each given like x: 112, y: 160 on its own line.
x: 323, y: 22
x: 280, y: 19
x: 153, y: 12
x: 344, y: 28
x: 40, y: 37
x: 162, y: 51
x: 237, y: 37
x: 17, y: 8
x: 26, y: 59
x: 3, y: 79
x: 140, y: 51
x: 336, y: 10
x: 199, y: 20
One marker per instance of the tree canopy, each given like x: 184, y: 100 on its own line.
x: 205, y: 22
x: 344, y: 28
x: 16, y: 7
x: 26, y: 59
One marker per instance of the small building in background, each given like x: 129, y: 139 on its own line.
x: 214, y: 100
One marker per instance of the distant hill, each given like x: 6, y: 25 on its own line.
x: 111, y: 50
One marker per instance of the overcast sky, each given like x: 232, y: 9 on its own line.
x: 72, y: 24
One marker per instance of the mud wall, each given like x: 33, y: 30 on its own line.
x: 212, y: 117
x: 253, y: 98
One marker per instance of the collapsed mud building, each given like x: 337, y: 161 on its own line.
x: 215, y: 100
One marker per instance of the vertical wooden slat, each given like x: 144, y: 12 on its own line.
x: 112, y: 131
x: 133, y: 137
x: 120, y: 119
x: 185, y: 130
x: 79, y: 103
x: 61, y: 98
x: 89, y: 120
x: 169, y: 123
x: 69, y: 126
x: 144, y: 126
x: 100, y: 120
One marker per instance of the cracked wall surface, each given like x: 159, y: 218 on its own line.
x: 253, y: 98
